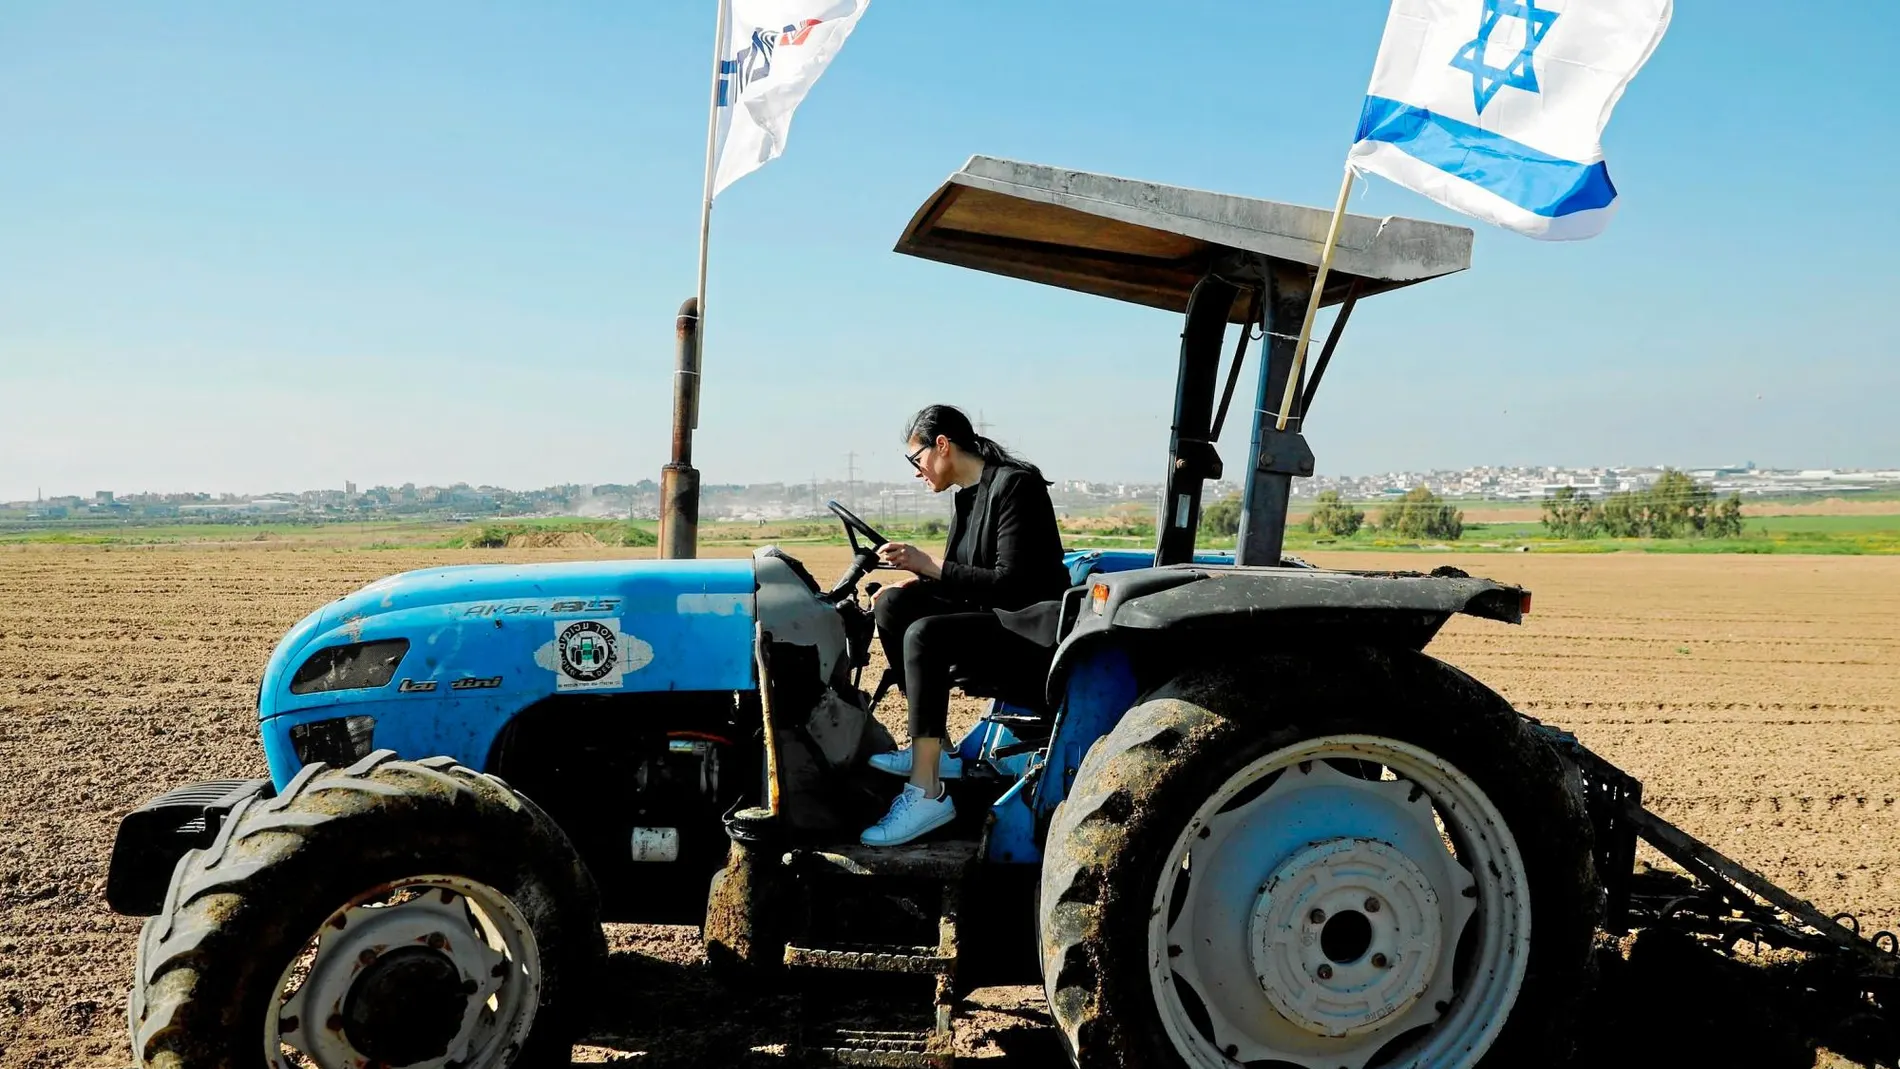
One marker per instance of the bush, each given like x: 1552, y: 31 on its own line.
x: 1624, y: 515
x: 1222, y: 518
x: 486, y: 538
x: 1569, y: 514
x: 1335, y: 516
x: 633, y: 534
x: 1678, y: 505
x: 1420, y: 514
x: 1725, y: 520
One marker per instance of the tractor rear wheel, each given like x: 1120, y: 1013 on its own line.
x: 391, y: 913
x: 1323, y: 862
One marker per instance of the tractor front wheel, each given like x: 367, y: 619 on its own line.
x: 1364, y: 859
x: 392, y: 913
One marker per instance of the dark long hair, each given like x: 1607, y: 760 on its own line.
x: 950, y: 421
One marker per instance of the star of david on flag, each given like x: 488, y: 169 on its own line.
x: 1496, y: 108
x: 1518, y: 73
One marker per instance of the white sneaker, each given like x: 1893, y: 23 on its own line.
x: 912, y: 815
x: 898, y: 762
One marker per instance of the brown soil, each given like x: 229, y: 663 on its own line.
x: 1757, y: 697
x: 1832, y: 506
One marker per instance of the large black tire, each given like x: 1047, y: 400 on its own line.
x: 237, y: 913
x: 1139, y: 785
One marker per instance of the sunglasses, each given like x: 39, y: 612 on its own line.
x: 912, y: 457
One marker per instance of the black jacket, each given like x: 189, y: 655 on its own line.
x: 1016, y: 559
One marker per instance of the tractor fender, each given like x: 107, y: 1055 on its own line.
x: 154, y: 836
x: 1158, y: 609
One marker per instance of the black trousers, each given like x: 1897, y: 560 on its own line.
x: 925, y: 635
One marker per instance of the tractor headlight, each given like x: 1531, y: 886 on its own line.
x: 340, y: 743
x: 356, y: 666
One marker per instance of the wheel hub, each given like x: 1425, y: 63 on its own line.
x: 1344, y: 935
x: 1313, y: 909
x: 427, y: 972
x: 406, y: 1006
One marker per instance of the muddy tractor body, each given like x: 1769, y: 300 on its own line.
x: 1246, y: 819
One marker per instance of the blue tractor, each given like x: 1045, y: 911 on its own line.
x: 1247, y: 821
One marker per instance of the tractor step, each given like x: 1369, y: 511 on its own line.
x: 897, y: 1050
x: 872, y: 958
x: 947, y: 859
x: 933, y: 1048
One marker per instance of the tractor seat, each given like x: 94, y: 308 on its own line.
x: 1025, y: 698
x: 1023, y: 695
x: 1027, y: 692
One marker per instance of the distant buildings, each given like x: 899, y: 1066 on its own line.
x: 1535, y: 484
x: 883, y: 502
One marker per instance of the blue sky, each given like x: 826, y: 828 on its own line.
x: 249, y: 247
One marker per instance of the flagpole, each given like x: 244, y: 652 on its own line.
x: 1312, y: 304
x: 705, y: 208
x: 679, y: 480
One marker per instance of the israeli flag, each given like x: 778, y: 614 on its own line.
x: 1496, y: 108
x: 771, y: 54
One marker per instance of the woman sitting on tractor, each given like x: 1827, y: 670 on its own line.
x: 1004, y: 553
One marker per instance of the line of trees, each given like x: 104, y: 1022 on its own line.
x: 1419, y: 514
x: 1676, y: 506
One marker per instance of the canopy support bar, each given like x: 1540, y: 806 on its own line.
x: 1274, y: 456
x: 1192, y: 459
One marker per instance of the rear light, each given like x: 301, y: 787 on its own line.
x: 1098, y: 598
x: 1524, y: 603
x: 340, y: 743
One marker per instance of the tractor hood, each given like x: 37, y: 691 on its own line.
x: 513, y: 634
x: 642, y: 585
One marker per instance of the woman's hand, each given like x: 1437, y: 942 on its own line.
x: 909, y: 558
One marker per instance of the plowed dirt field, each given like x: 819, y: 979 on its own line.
x: 1758, y: 698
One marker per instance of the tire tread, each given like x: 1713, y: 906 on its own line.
x: 1091, y: 832
x: 208, y: 887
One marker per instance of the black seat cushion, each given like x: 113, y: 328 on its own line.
x: 1025, y: 693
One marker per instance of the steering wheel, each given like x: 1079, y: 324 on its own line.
x: 863, y: 555
x: 854, y: 526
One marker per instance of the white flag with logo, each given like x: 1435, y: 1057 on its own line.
x: 1496, y: 108
x: 772, y: 53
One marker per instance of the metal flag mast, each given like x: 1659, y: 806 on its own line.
x: 679, y: 480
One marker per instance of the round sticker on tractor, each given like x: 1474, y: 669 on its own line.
x: 589, y: 651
